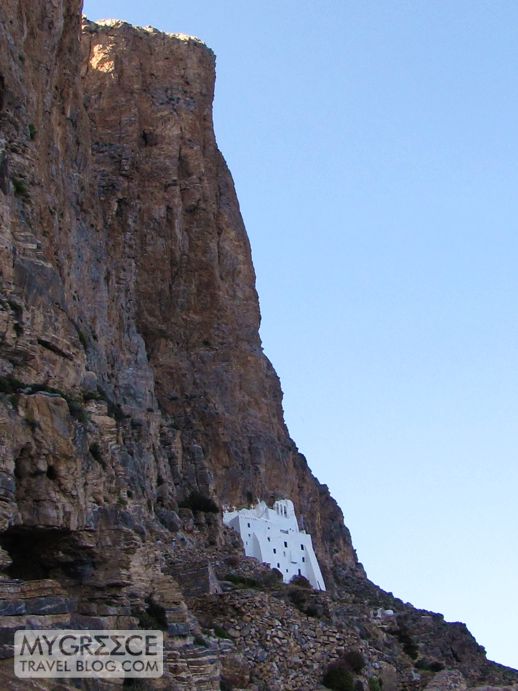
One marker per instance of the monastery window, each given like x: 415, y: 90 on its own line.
x: 285, y: 544
x: 302, y: 547
x: 303, y: 558
x: 269, y: 540
x: 278, y: 565
x: 274, y: 551
x: 248, y: 524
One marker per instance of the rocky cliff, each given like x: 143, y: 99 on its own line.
x: 135, y: 397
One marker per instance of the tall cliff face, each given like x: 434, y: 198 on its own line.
x: 131, y: 368
x: 131, y: 362
x: 178, y: 246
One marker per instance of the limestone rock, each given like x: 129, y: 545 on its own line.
x: 447, y: 680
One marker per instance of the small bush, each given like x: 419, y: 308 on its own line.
x: 10, y: 385
x: 301, y: 582
x: 242, y: 581
x: 220, y: 632
x: 374, y: 684
x: 408, y: 643
x: 97, y: 395
x: 429, y: 665
x: 298, y: 596
x: 32, y: 131
x: 153, y: 617
x: 338, y: 677
x: 272, y: 579
x: 196, y: 501
x: 76, y: 409
x: 355, y: 660
x: 19, y: 187
x: 199, y: 640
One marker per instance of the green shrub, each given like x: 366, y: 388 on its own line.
x: 76, y: 409
x: 338, y: 677
x: 19, y: 187
x: 32, y: 131
x: 374, y: 684
x: 220, y: 632
x: 243, y: 581
x: 408, y: 643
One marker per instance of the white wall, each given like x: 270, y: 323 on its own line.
x: 272, y: 536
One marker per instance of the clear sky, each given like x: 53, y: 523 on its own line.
x: 374, y: 146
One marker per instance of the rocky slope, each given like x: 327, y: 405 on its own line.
x: 132, y: 379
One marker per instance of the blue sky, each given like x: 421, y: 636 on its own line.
x: 374, y: 148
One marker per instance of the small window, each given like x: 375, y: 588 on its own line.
x: 300, y: 573
x: 303, y: 558
x: 285, y: 544
x: 278, y: 565
x: 286, y: 570
x: 274, y: 551
x: 269, y: 540
x: 302, y: 547
x: 248, y: 524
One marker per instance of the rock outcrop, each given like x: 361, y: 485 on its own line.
x: 135, y: 399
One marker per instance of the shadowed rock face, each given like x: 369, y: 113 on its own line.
x: 131, y: 368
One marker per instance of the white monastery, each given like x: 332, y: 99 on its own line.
x: 272, y: 536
